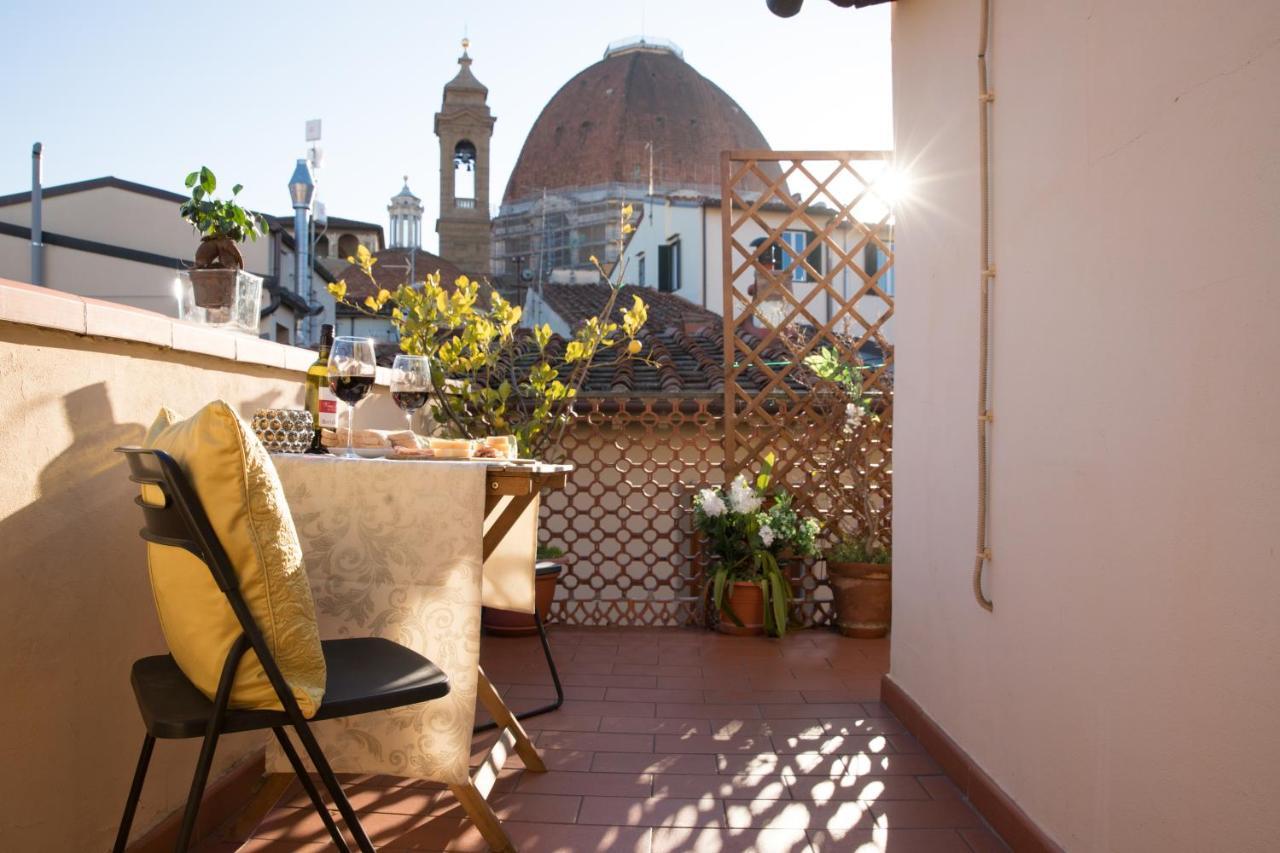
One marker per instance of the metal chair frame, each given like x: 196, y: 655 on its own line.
x: 182, y: 522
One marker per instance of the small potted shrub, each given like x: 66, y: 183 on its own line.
x: 509, y: 623
x: 222, y: 225
x: 748, y: 529
x: 861, y: 575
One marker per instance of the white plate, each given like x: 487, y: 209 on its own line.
x: 366, y: 452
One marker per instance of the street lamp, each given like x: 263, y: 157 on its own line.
x: 301, y: 189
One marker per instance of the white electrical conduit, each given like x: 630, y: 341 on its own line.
x: 985, y: 413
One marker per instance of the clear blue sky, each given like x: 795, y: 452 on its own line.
x: 148, y: 90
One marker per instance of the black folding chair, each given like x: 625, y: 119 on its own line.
x: 364, y: 674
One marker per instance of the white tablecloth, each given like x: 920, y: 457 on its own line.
x: 393, y: 549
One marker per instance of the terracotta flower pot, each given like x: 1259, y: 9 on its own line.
x: 747, y: 602
x: 864, y: 598
x: 509, y: 623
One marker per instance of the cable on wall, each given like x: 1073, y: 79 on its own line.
x: 986, y: 100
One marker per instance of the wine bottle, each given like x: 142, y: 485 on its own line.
x: 321, y: 402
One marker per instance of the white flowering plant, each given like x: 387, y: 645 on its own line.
x: 747, y: 528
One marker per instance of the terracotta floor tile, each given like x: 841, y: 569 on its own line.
x: 755, y: 697
x: 940, y: 787
x: 654, y: 725
x: 761, y: 728
x: 721, y: 786
x: 833, y: 744
x: 913, y: 765
x: 652, y: 762
x: 595, y: 741
x: 905, y: 743
x: 515, y: 692
x: 685, y: 840
x: 560, y: 838
x: 533, y: 808
x: 871, y: 788
x: 655, y: 811
x: 643, y: 694
x: 707, y: 710
x: 559, y: 721
x: 927, y: 814
x: 888, y: 840
x: 736, y: 743
x: 610, y: 709
x: 811, y: 709
x: 678, y: 740
x: 638, y: 682
x: 983, y: 841
x: 793, y: 814
x: 638, y: 785
x: 557, y: 760
x: 716, y: 681
x: 801, y: 764
x: 671, y: 670
x: 864, y: 725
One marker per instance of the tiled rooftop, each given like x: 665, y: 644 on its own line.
x: 675, y: 740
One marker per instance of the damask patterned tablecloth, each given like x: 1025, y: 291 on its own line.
x: 394, y: 549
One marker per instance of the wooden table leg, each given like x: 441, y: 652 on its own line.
x: 481, y: 814
x: 509, y: 725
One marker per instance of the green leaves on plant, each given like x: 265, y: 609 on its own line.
x: 215, y: 218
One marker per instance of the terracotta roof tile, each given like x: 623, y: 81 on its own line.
x: 575, y: 303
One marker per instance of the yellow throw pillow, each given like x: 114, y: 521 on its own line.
x: 237, y: 484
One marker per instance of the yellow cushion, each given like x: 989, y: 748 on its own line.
x: 237, y: 484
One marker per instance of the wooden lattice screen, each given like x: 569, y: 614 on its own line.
x: 808, y: 264
x: 624, y: 517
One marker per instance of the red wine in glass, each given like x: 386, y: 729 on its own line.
x: 351, y: 389
x: 410, y: 401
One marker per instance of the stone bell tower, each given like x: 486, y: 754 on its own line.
x: 464, y: 126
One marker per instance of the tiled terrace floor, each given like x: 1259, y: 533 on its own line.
x: 675, y: 740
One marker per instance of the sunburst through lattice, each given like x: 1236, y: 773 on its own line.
x: 807, y: 264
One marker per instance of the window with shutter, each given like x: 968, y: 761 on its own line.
x: 665, y: 283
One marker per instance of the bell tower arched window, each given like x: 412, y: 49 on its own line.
x: 464, y: 174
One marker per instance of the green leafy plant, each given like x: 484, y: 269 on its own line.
x: 828, y: 366
x: 747, y: 528
x: 549, y: 552
x: 489, y: 377
x: 858, y: 551
x: 221, y: 223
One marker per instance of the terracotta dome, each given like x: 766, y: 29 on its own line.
x: 595, y: 129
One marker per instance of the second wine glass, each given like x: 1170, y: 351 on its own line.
x: 410, y: 384
x: 352, y: 367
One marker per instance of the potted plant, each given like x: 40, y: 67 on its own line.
x: 491, y: 377
x: 547, y: 572
x: 222, y: 225
x: 747, y: 530
x: 861, y: 575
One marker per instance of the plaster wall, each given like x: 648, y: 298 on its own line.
x: 77, y: 608
x: 1124, y: 689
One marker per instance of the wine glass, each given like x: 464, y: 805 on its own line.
x: 410, y: 382
x: 352, y: 367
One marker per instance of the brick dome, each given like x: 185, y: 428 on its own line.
x: 595, y: 129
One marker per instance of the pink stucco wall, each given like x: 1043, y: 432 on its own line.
x: 1126, y: 689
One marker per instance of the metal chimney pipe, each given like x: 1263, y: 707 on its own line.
x: 37, y: 217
